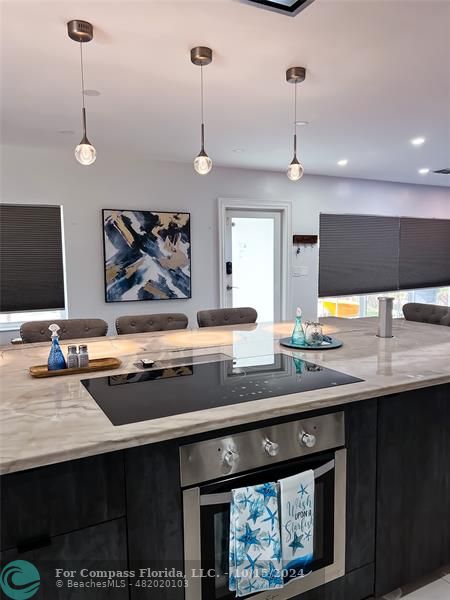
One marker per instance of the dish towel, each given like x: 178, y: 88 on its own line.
x: 297, y: 524
x: 255, y: 544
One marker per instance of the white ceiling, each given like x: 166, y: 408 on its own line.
x: 377, y: 76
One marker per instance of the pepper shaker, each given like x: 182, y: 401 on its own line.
x: 83, y: 356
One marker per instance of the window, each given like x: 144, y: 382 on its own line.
x: 13, y: 321
x: 31, y: 264
x: 364, y: 254
x: 352, y: 307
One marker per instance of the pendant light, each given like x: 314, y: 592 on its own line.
x: 82, y: 32
x: 202, y: 56
x: 295, y: 75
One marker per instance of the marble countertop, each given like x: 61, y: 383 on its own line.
x: 44, y: 421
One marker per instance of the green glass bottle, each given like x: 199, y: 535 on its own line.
x: 298, y: 335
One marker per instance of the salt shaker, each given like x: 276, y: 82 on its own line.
x: 83, y: 356
x: 72, y: 357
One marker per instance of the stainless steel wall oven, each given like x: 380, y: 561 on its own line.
x: 211, y: 469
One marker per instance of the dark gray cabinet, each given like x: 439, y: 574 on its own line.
x: 41, y: 503
x: 155, y: 519
x: 99, y: 548
x: 357, y: 585
x: 361, y: 435
x: 413, y: 502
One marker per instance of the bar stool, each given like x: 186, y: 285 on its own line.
x: 70, y: 329
x: 148, y: 323
x: 226, y: 316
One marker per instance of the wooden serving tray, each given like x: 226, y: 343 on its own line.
x: 96, y: 364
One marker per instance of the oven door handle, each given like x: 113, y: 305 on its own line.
x: 225, y: 497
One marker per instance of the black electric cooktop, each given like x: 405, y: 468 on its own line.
x: 146, y: 395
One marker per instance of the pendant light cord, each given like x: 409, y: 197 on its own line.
x: 295, y: 119
x: 201, y: 108
x: 82, y: 89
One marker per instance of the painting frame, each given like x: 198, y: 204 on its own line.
x: 105, y: 258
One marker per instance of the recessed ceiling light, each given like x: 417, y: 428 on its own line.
x: 91, y: 93
x: 301, y: 123
x: 343, y: 162
x: 238, y: 150
x: 424, y: 171
x: 418, y: 141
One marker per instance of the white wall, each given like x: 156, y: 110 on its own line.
x: 41, y: 176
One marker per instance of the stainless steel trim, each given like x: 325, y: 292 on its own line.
x: 192, y: 540
x: 225, y: 497
x: 212, y: 499
x: 337, y: 569
x: 204, y: 461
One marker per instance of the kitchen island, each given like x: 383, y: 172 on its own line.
x: 75, y: 487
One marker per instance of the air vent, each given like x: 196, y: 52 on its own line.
x: 443, y: 172
x: 286, y: 7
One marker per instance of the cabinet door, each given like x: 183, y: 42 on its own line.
x: 357, y: 585
x: 361, y: 435
x: 155, y: 518
x: 413, y: 501
x: 49, y: 501
x: 98, y: 548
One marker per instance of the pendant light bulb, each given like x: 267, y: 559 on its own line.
x: 85, y: 153
x: 202, y: 56
x: 295, y: 170
x: 202, y: 163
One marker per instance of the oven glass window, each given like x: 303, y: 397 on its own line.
x: 215, y: 526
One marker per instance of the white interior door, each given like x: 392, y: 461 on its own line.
x: 252, y: 269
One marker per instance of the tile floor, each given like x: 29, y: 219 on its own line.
x: 436, y: 587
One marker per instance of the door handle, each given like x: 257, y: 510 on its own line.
x: 232, y: 287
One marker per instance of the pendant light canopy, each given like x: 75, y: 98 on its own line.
x: 82, y: 32
x: 295, y: 75
x: 202, y: 56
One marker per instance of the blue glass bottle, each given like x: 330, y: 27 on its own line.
x: 298, y: 335
x: 56, y: 358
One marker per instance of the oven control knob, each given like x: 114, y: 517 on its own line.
x: 230, y: 458
x: 308, y: 439
x: 272, y: 448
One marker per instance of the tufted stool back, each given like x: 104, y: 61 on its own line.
x: 147, y: 323
x: 427, y: 313
x: 70, y: 329
x: 226, y: 316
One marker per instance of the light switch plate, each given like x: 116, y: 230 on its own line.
x: 300, y: 271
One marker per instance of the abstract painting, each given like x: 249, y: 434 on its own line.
x: 147, y: 255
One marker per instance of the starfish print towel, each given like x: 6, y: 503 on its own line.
x: 255, y: 545
x: 297, y: 524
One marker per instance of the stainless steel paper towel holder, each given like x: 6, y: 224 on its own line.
x: 385, y: 306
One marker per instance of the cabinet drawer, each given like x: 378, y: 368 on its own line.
x: 48, y: 501
x: 98, y: 548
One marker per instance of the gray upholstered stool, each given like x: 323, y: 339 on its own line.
x: 226, y: 316
x: 70, y: 329
x: 427, y: 313
x: 148, y: 323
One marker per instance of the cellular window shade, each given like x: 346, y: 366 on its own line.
x: 358, y: 254
x: 424, y: 253
x: 31, y: 260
